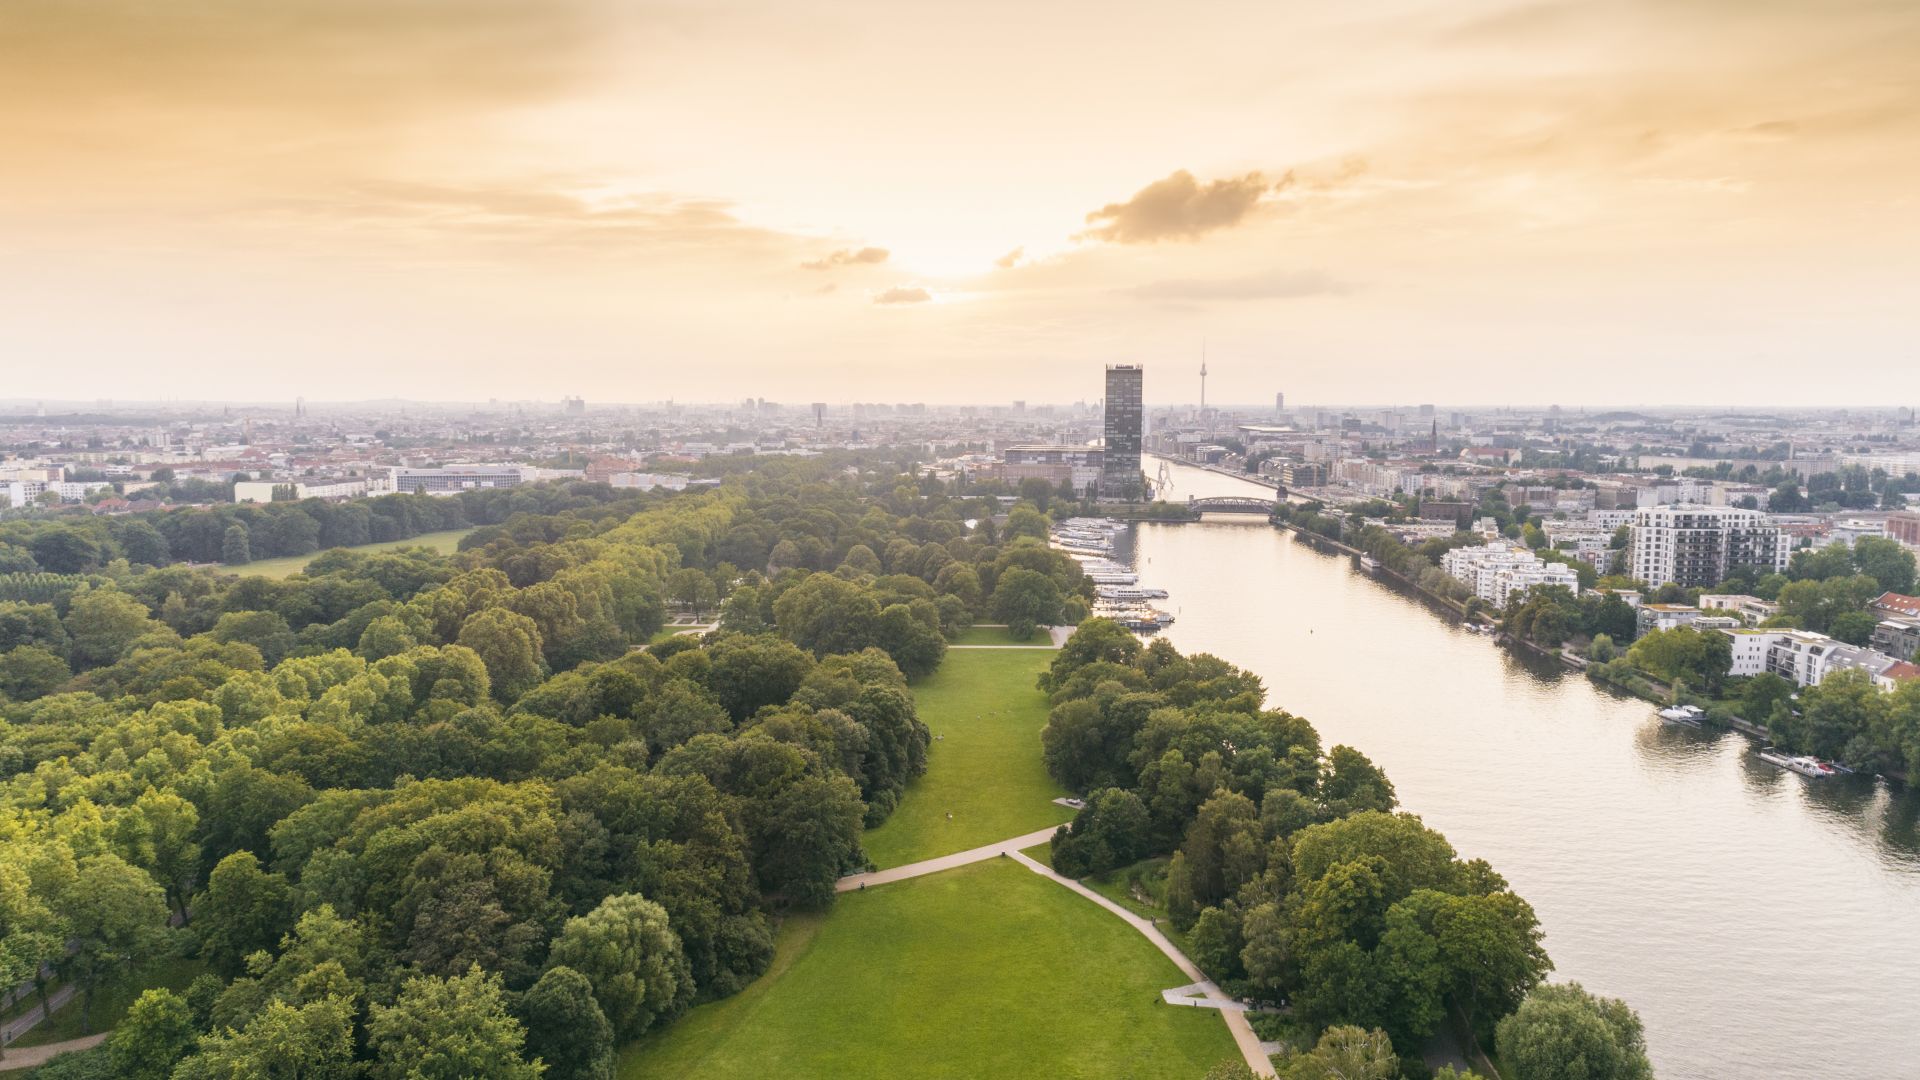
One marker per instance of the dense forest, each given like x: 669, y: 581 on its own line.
x: 472, y: 815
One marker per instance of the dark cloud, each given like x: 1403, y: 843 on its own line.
x: 903, y: 294
x: 847, y: 257
x: 1274, y: 285
x: 1177, y: 208
x: 1011, y: 259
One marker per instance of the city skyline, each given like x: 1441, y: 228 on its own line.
x: 1541, y: 202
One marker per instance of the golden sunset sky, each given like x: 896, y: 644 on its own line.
x: 1637, y: 201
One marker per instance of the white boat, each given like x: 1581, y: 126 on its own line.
x: 1800, y: 763
x: 1690, y: 715
x: 1368, y: 562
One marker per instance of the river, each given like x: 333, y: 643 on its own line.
x: 1763, y: 925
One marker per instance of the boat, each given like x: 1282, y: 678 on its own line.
x: 1800, y: 763
x: 1689, y: 715
x: 1368, y: 562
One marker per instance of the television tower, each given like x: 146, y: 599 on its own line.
x: 1203, y: 375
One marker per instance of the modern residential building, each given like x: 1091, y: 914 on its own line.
x: 1120, y: 475
x: 1751, y: 610
x: 453, y: 478
x: 1497, y: 570
x: 1802, y: 657
x: 1897, y: 637
x: 1696, y: 546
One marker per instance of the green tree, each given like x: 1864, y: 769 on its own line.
x: 633, y: 958
x: 243, y: 910
x: 235, y: 548
x: 118, y: 917
x: 693, y: 590
x: 1345, y: 1052
x: 508, y: 643
x: 103, y: 623
x: 447, y: 1029
x: 1885, y: 560
x: 264, y: 630
x: 31, y: 671
x: 565, y: 1027
x: 1562, y: 1032
x: 1025, y: 521
x: 825, y: 614
x: 750, y: 672
x: 310, y: 1041
x: 64, y: 550
x: 160, y: 834
x: 1024, y: 599
x: 156, y: 1032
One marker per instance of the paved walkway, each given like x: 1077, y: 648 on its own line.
x: 26, y: 1021
x: 1250, y: 1046
x: 945, y: 862
x: 32, y: 1057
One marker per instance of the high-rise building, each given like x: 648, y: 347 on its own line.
x: 1279, y: 402
x: 1698, y: 546
x: 819, y: 414
x: 1120, y: 467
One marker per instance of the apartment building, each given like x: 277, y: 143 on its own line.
x: 1802, y: 657
x: 1496, y: 571
x: 1696, y: 546
x: 1750, y: 610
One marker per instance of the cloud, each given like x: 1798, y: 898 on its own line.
x: 1177, y: 208
x: 1273, y: 285
x: 1011, y: 259
x: 847, y: 257
x: 903, y: 294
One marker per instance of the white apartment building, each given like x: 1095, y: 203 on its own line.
x: 20, y: 493
x: 1802, y: 657
x: 1498, y: 570
x: 261, y: 491
x: 1751, y: 610
x: 1697, y: 545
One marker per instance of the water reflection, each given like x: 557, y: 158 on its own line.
x: 1764, y: 925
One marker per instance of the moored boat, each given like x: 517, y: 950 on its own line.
x: 1689, y: 715
x: 1800, y: 763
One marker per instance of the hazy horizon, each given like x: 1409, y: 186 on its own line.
x: 1532, y: 202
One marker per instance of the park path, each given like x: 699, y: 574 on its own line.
x: 26, y: 1021
x: 1230, y: 1010
x: 1233, y: 1012
x: 32, y: 1057
x: 945, y: 862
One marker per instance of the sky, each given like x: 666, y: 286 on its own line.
x: 1392, y: 201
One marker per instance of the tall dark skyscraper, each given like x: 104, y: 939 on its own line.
x: 1120, y: 469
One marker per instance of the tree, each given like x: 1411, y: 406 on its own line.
x: 749, y: 672
x: 1345, y: 1053
x: 1353, y: 783
x: 156, y: 1032
x: 310, y: 1041
x: 566, y: 1028
x: 1025, y: 521
x: 235, y: 548
x: 243, y: 910
x: 1885, y: 560
x: 1562, y: 1032
x: 64, y: 550
x: 1700, y: 658
x: 159, y: 835
x: 143, y: 544
x: 1112, y: 830
x: 693, y: 590
x: 632, y: 957
x: 1024, y: 599
x: 118, y: 917
x: 825, y: 614
x: 1853, y: 627
x: 447, y: 1029
x: 264, y: 630
x: 31, y: 671
x: 508, y: 643
x: 103, y: 623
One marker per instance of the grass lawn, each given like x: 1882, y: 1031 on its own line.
x: 445, y: 542
x: 110, y: 1002
x: 984, y: 765
x: 999, y: 635
x: 985, y: 971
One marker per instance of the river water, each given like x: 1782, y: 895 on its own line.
x: 1764, y: 925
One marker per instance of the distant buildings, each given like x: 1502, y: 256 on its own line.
x: 1696, y: 546
x: 452, y: 478
x: 1497, y: 570
x: 1904, y: 528
x: 1083, y: 467
x: 1120, y: 468
x: 261, y: 491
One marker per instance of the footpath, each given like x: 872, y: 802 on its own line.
x: 1201, y: 992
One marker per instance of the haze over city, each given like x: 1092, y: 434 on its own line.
x: 1507, y: 202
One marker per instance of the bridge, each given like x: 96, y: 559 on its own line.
x: 1229, y: 504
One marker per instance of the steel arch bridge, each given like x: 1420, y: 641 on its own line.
x: 1228, y: 504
